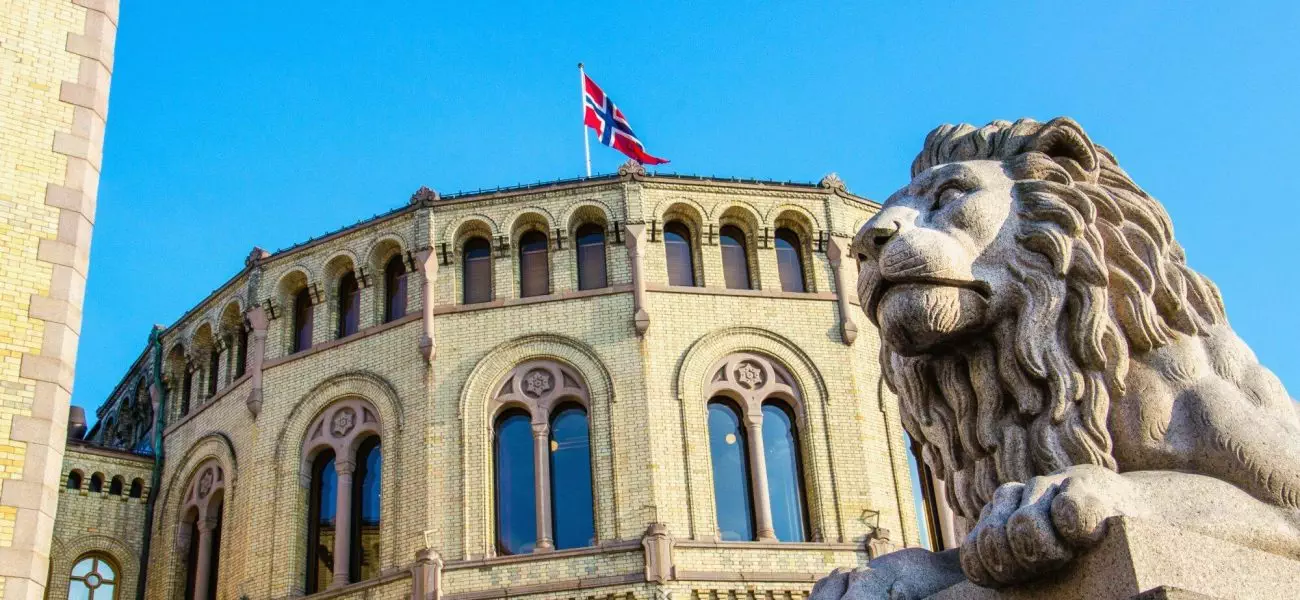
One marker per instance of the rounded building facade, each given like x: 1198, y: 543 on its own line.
x: 619, y: 386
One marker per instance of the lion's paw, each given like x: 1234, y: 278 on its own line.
x: 909, y: 574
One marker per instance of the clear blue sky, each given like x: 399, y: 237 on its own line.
x: 244, y: 123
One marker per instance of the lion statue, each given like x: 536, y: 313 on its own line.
x: 1060, y: 364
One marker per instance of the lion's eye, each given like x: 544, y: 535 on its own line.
x: 947, y: 194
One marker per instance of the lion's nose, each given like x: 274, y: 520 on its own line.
x: 873, y: 237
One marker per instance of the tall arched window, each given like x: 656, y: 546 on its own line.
x: 97, y: 483
x: 516, y: 515
x: 74, y: 480
x: 735, y: 258
x: 571, y: 500
x: 214, y: 365
x: 302, y: 320
x: 240, y: 355
x: 366, y: 490
x: 729, y: 447
x: 345, y: 458
x: 789, y: 260
x: 321, y: 510
x: 477, y: 276
x: 93, y: 577
x: 784, y: 473
x: 679, y: 254
x: 394, y: 289
x: 349, y: 305
x: 534, y: 265
x: 187, y: 390
x: 590, y: 239
x: 203, y: 509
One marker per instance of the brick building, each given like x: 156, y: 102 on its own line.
x: 624, y: 386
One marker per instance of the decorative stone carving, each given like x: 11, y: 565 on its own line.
x: 1061, y: 364
x: 205, y: 483
x: 631, y: 169
x: 255, y: 257
x: 537, y: 382
x: 750, y: 375
x: 832, y: 182
x: 345, y: 419
x: 424, y: 196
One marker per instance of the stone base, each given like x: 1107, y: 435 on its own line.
x: 1144, y: 561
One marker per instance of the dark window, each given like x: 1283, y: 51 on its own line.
x: 241, y: 353
x: 591, y: 257
x: 97, y: 483
x: 477, y: 270
x: 302, y: 318
x: 214, y: 365
x: 394, y: 289
x: 784, y: 473
x: 789, y: 260
x: 923, y: 497
x: 728, y: 445
x: 187, y: 390
x: 516, y: 516
x: 137, y: 488
x: 214, y: 560
x: 534, y: 266
x: 735, y: 257
x: 320, y: 522
x: 365, y: 508
x: 93, y: 578
x: 115, y: 486
x: 679, y: 254
x: 192, y: 560
x: 74, y: 480
x: 349, y: 305
x: 571, y: 503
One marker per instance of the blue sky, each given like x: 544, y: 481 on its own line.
x: 243, y: 123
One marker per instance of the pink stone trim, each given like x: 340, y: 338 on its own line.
x: 839, y: 248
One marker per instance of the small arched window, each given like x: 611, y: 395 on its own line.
x: 729, y: 448
x: 735, y: 258
x: 679, y: 254
x: 321, y: 521
x: 240, y: 355
x: 394, y: 289
x: 477, y: 276
x: 115, y: 486
x: 349, y: 305
x: 590, y: 240
x: 516, y: 511
x: 74, y: 480
x: 302, y: 320
x: 93, y: 577
x: 784, y: 473
x: 789, y: 260
x: 534, y: 265
x: 137, y: 488
x: 187, y: 390
x: 97, y: 483
x: 214, y: 365
x: 571, y: 500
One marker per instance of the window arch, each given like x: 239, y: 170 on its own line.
x: 541, y: 447
x: 214, y: 364
x: 590, y: 242
x: 74, y: 480
x: 394, y: 289
x: 789, y: 260
x: 200, y: 532
x: 97, y: 483
x: 477, y: 270
x: 735, y: 258
x: 679, y: 254
x: 115, y: 486
x: 303, y: 313
x: 349, y: 308
x: 344, y: 462
x: 93, y: 577
x: 137, y: 488
x: 758, y: 476
x: 534, y: 264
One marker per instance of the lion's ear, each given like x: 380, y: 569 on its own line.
x: 1064, y: 141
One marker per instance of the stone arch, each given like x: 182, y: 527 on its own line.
x: 478, y: 408
x: 804, y: 224
x: 745, y: 217
x: 378, y: 255
x: 692, y: 215
x: 530, y: 218
x: 339, y: 264
x: 524, y: 221
x: 775, y: 213
x: 586, y: 211
x: 665, y: 208
x: 454, y: 229
x: 805, y: 389
x: 214, y: 449
x: 287, y: 288
x: 65, y: 554
x: 321, y: 401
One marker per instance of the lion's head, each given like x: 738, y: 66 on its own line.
x: 1011, y: 280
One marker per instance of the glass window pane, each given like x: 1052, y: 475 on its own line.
x: 515, y: 484
x: 394, y: 289
x: 477, y: 274
x: 591, y: 257
x: 105, y: 570
x: 302, y: 320
x: 366, y: 557
x: 534, y: 267
x: 349, y: 305
x: 104, y: 592
x: 735, y: 259
x: 78, y: 591
x: 784, y: 475
x: 324, y: 496
x: 789, y: 261
x: 678, y: 254
x: 924, y: 499
x: 571, y: 499
x: 731, y: 489
x: 83, y: 567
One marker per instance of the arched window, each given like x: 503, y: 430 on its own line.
x: 203, y: 511
x: 365, y: 503
x: 345, y: 459
x: 735, y: 258
x: 477, y: 257
x: 214, y: 364
x: 115, y: 486
x: 240, y: 356
x: 187, y: 390
x: 93, y: 577
x: 789, y: 260
x: 349, y: 305
x: 394, y: 289
x: 784, y: 473
x: 516, y: 516
x: 302, y: 320
x: 321, y: 515
x: 590, y: 239
x: 97, y: 483
x: 924, y: 498
x: 137, y: 488
x: 571, y: 500
x: 679, y: 254
x: 534, y: 265
x: 74, y: 480
x: 729, y: 447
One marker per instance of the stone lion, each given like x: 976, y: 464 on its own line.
x: 1061, y: 364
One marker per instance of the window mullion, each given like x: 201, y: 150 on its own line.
x: 542, y: 485
x: 758, y: 477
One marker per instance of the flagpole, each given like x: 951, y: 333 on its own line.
x: 582, y: 97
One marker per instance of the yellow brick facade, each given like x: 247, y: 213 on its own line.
x: 57, y: 57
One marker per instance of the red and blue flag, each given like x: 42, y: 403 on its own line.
x: 611, y: 126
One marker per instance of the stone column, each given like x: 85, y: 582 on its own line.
x: 203, y: 575
x: 343, y: 522
x: 758, y: 477
x: 542, y: 471
x: 837, y: 252
x: 635, y: 241
x: 426, y: 575
x: 257, y: 321
x: 428, y: 265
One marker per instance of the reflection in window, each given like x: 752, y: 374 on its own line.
x: 302, y: 318
x: 365, y: 506
x: 477, y: 279
x: 735, y: 258
x: 591, y: 257
x: 349, y: 305
x: 678, y: 254
x: 728, y: 446
x: 93, y: 578
x: 784, y: 474
x: 394, y: 289
x: 321, y: 522
x: 516, y: 517
x: 534, y: 266
x: 571, y: 500
x: 789, y: 261
x: 924, y: 499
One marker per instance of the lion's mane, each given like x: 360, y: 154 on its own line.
x: 1097, y: 275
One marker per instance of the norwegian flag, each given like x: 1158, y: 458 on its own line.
x: 600, y: 113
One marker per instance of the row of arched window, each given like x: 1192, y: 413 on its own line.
x: 116, y: 486
x: 679, y: 254
x: 347, y: 312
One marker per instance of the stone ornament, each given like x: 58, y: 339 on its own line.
x: 832, y: 182
x: 344, y: 420
x: 749, y: 375
x: 1061, y: 364
x: 338, y: 427
x: 205, y: 483
x: 539, y: 386
x: 537, y: 382
x: 751, y: 379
